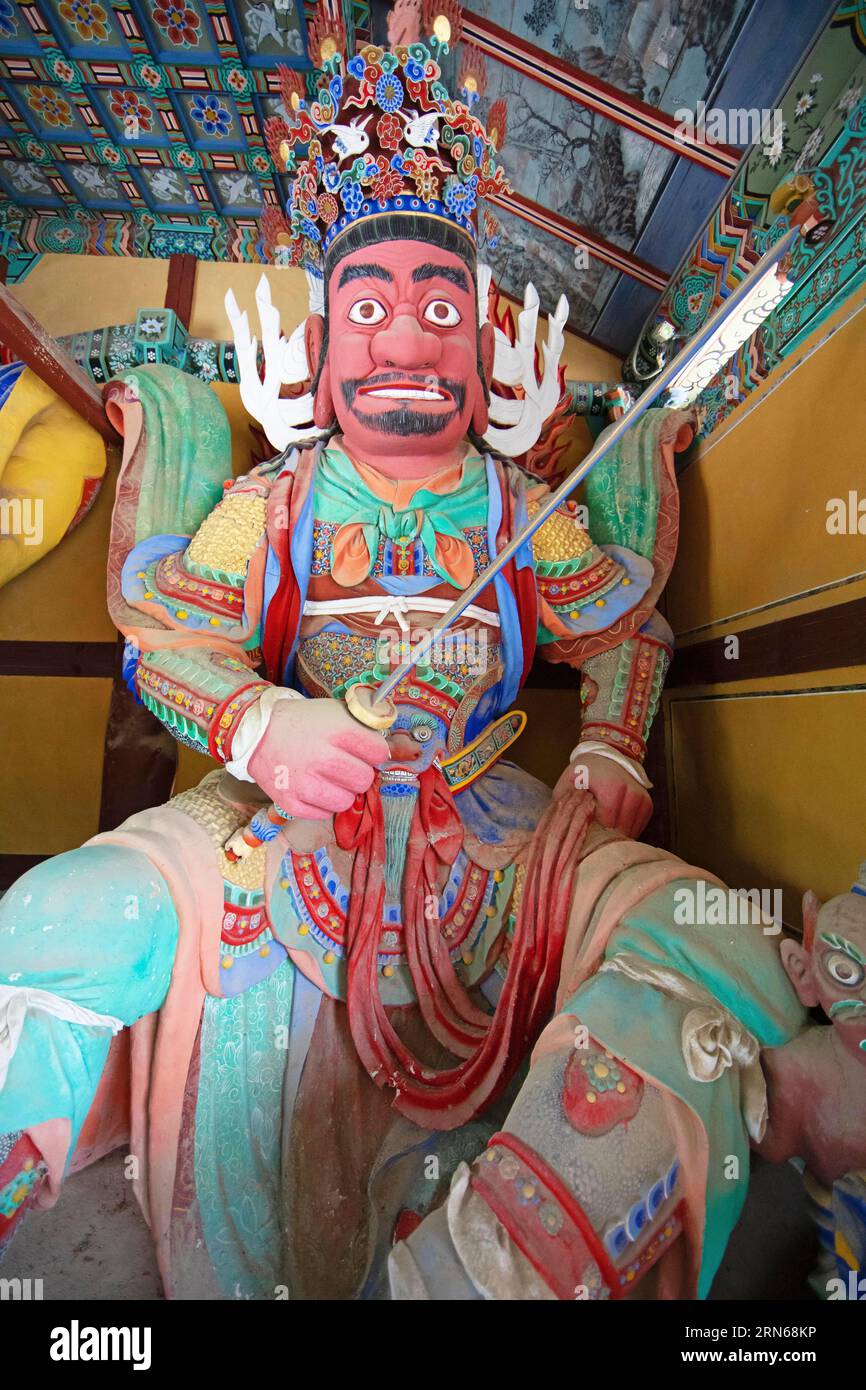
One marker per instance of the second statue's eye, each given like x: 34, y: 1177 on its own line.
x: 443, y: 313
x: 844, y: 969
x: 367, y: 311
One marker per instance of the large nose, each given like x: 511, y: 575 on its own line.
x: 405, y: 344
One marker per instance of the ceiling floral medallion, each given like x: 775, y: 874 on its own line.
x: 87, y: 18
x: 7, y: 18
x: 179, y: 23
x: 209, y: 113
x: 60, y: 68
x: 128, y: 106
x: 49, y: 106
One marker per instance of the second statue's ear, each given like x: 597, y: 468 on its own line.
x: 798, y: 967
x: 314, y: 339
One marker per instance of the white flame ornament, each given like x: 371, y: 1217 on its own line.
x: 285, y: 420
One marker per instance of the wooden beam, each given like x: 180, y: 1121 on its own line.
x: 12, y: 866
x: 823, y: 640
x: 181, y: 286
x: 57, y: 658
x: 20, y: 332
x: 596, y: 95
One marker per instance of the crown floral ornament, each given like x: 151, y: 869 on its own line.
x: 382, y: 135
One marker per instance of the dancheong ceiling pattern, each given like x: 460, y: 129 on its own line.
x: 137, y: 128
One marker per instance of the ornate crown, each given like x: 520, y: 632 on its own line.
x: 382, y: 135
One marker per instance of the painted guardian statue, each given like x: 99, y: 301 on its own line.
x: 429, y: 1030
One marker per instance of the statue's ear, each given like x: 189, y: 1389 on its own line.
x: 314, y: 339
x: 486, y: 350
x: 314, y: 343
x: 798, y: 967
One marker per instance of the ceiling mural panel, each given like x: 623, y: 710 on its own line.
x: 518, y: 252
x: 668, y: 53
x: 813, y: 173
x: 573, y: 160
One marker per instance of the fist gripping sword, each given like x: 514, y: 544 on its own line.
x: 694, y: 367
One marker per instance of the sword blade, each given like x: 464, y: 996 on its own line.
x: 702, y: 358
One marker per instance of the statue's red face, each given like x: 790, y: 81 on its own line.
x: 402, y: 370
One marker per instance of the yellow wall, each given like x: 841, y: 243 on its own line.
x: 49, y: 790
x: 768, y: 776
x: 72, y: 294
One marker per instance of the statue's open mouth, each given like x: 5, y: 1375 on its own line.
x: 406, y: 391
x: 408, y: 408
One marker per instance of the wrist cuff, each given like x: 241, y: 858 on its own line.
x: 251, y: 729
x: 603, y: 750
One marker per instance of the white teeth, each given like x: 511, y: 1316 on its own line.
x: 405, y: 393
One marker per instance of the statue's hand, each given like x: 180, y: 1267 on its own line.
x: 314, y: 758
x: 621, y: 802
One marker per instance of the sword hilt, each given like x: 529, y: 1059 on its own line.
x: 364, y: 704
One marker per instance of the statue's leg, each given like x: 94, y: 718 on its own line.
x: 627, y: 1148
x: 94, y: 930
x: 577, y: 1198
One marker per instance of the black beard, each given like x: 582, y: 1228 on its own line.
x: 402, y: 420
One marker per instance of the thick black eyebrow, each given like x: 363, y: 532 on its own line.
x: 364, y: 272
x: 429, y: 271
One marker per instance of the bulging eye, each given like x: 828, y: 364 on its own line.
x: 422, y: 734
x: 367, y: 311
x: 443, y: 313
x: 844, y: 969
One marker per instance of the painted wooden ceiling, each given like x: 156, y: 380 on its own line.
x: 136, y: 128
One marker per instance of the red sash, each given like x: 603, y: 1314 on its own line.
x: 492, y: 1046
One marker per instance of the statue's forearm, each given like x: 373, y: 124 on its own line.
x: 200, y: 696
x: 622, y: 688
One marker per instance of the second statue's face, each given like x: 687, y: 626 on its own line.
x: 833, y: 973
x: 402, y: 373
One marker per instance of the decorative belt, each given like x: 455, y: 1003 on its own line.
x: 396, y: 606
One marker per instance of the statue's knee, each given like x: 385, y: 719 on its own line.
x: 100, y: 916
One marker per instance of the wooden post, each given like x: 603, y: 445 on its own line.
x: 181, y: 287
x: 20, y: 332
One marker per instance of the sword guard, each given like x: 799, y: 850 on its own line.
x: 363, y: 705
